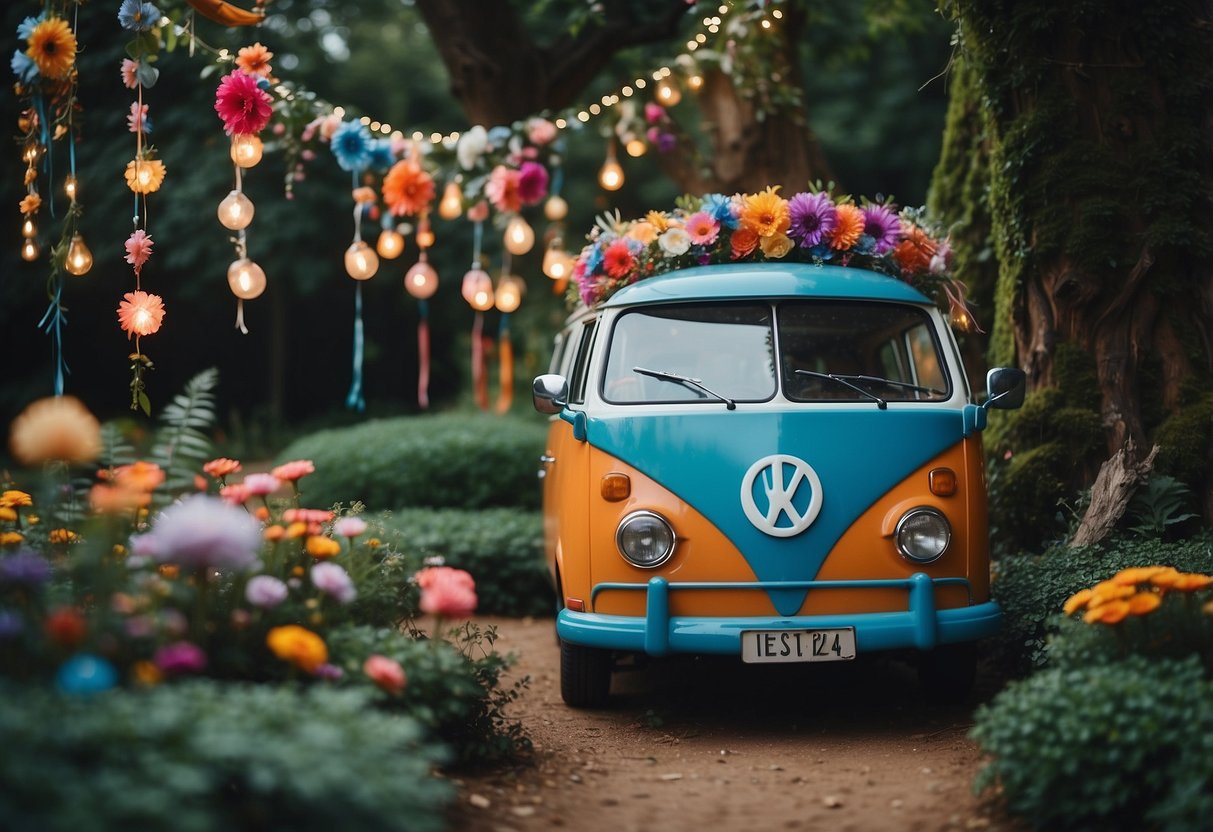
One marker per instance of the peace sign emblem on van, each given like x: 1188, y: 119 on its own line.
x: 794, y: 495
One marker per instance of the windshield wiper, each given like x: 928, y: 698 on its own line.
x: 880, y: 403
x: 904, y: 385
x: 665, y: 375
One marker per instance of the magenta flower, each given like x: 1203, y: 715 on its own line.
x: 813, y: 217
x: 265, y: 592
x: 180, y: 657
x: 259, y: 485
x: 242, y: 105
x: 532, y: 182
x: 349, y: 527
x: 334, y: 581
x: 203, y: 532
x: 883, y: 226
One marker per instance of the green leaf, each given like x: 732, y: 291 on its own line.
x: 145, y: 404
x: 147, y: 75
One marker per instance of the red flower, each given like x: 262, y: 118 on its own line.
x: 65, y: 626
x: 618, y: 260
x: 242, y: 104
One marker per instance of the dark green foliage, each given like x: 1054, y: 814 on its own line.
x: 1120, y: 746
x: 442, y: 460
x: 1186, y: 440
x: 182, y: 443
x: 1158, y: 506
x: 502, y: 548
x: 1032, y: 589
x: 1177, y: 629
x: 203, y: 756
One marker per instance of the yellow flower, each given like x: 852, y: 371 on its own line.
x: 1190, y: 581
x: 322, y: 547
x: 1112, y: 612
x: 7, y: 514
x: 1144, y: 602
x: 52, y: 46
x: 15, y: 499
x: 296, y: 530
x: 146, y: 673
x: 144, y: 176
x: 1166, y: 578
x: 645, y: 232
x: 658, y: 220
x: 63, y: 536
x: 1137, y: 574
x: 32, y: 519
x: 765, y: 213
x: 1077, y: 601
x: 55, y: 428
x: 776, y: 246
x: 373, y: 543
x: 11, y: 538
x: 300, y: 647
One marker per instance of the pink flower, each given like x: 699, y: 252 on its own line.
x: 296, y: 469
x: 386, y: 673
x: 310, y: 516
x: 447, y: 591
x: 349, y: 527
x: 138, y: 248
x: 540, y: 131
x: 129, y: 68
x: 653, y: 113
x: 235, y: 495
x: 502, y: 189
x: 259, y: 485
x: 334, y: 581
x: 180, y: 657
x: 137, y: 118
x: 532, y: 183
x: 703, y: 228
x: 265, y: 591
x: 242, y: 105
x: 478, y: 212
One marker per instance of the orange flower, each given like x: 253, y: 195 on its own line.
x: 1191, y: 581
x: 62, y: 536
x: 848, y: 226
x: 106, y: 499
x: 11, y: 538
x: 274, y: 533
x: 296, y: 530
x: 1105, y: 592
x: 300, y: 647
x: 1077, y: 601
x: 52, y: 46
x: 65, y: 626
x: 1137, y: 574
x: 1166, y: 578
x: 221, y: 467
x: 139, y: 476
x: 311, y: 516
x: 645, y: 232
x: 1144, y: 602
x: 146, y: 673
x: 144, y: 176
x: 169, y: 571
x: 743, y: 241
x: 30, y: 203
x: 1113, y: 612
x: 364, y: 196
x: 765, y: 213
x: 322, y: 547
x: 915, y: 250
x: 7, y: 514
x: 407, y: 189
x: 55, y: 428
x: 293, y: 470
x: 255, y: 60
x: 140, y: 313
x: 15, y: 499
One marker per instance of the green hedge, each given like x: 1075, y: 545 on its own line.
x: 502, y: 548
x: 456, y: 460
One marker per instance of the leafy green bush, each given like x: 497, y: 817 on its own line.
x: 1032, y: 589
x: 502, y: 549
x: 204, y: 756
x: 441, y: 460
x: 1122, y: 746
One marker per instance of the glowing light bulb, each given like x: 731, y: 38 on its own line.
x: 519, y: 236
x: 235, y: 211
x: 451, y: 205
x: 424, y: 236
x: 508, y: 296
x: 390, y: 244
x: 246, y: 150
x: 557, y: 263
x: 28, y: 228
x: 477, y: 289
x: 70, y: 186
x: 143, y: 174
x: 667, y: 92
x: 29, y: 249
x: 246, y: 279
x: 79, y: 259
x: 31, y: 153
x: 421, y: 281
x: 555, y: 209
x: 695, y: 83
x: 636, y: 147
x: 610, y: 176
x: 142, y: 319
x: 361, y: 261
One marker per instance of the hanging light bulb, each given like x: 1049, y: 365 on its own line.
x: 556, y: 261
x: 667, y: 92
x: 610, y: 175
x: 421, y: 281
x: 510, y: 290
x: 451, y: 205
x: 555, y: 209
x: 246, y: 149
x: 79, y: 259
x: 390, y: 244
x: 246, y: 279
x: 29, y: 249
x: 477, y: 289
x: 70, y: 185
x: 28, y: 228
x: 635, y: 146
x: 425, y: 234
x: 235, y: 211
x: 361, y: 261
x: 519, y: 236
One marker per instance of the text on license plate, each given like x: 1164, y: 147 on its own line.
x: 771, y: 646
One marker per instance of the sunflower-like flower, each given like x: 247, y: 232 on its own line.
x: 255, y: 60
x: 242, y: 105
x: 52, y: 46
x: 765, y: 213
x: 407, y: 188
x: 144, y: 176
x: 140, y: 313
x: 848, y: 227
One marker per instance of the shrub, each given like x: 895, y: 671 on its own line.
x: 204, y: 756
x: 441, y: 460
x: 502, y: 547
x: 1125, y: 745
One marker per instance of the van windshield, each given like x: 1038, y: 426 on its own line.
x: 829, y: 351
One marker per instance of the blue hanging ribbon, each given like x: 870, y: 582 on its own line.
x: 52, y: 324
x: 47, y: 156
x: 354, y: 400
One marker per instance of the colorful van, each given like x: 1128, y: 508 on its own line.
x: 780, y: 462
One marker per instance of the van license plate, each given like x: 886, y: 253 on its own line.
x: 773, y: 646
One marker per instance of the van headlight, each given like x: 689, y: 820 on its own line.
x: 923, y: 535
x: 645, y: 539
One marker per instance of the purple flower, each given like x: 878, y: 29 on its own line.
x: 11, y: 624
x: 332, y: 580
x: 330, y: 672
x: 883, y: 226
x: 813, y: 218
x: 204, y: 532
x: 24, y: 567
x: 532, y: 182
x: 180, y: 657
x: 266, y: 592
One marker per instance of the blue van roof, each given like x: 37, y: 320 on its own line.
x: 750, y: 280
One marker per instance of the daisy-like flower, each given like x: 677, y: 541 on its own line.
x: 30, y: 203
x: 23, y: 67
x: 407, y: 189
x: 383, y: 155
x: 15, y: 499
x: 137, y: 16
x: 765, y: 213
x: 618, y: 260
x: 137, y: 120
x: 204, y: 532
x: 52, y: 46
x: 883, y: 226
x: 351, y: 146
x: 235, y: 495
x: 812, y: 217
x: 138, y: 248
x: 242, y: 105
x: 658, y: 220
x: 502, y: 189
x: 140, y: 313
x: 674, y: 241
x: 221, y: 467
x: 259, y: 485
x: 144, y: 176
x: 255, y: 60
x: 294, y: 470
x: 129, y: 70
x: 848, y: 227
x: 532, y: 183
x: 139, y: 476
x: 915, y: 250
x: 702, y: 228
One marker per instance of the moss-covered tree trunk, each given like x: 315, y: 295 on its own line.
x: 1100, y: 127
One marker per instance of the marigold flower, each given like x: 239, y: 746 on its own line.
x: 299, y: 646
x: 296, y: 530
x: 15, y: 499
x: 407, y: 188
x: 658, y: 220
x: 1191, y: 581
x: 30, y: 203
x: 1077, y: 601
x: 1137, y: 574
x: 848, y: 227
x: 52, y: 46
x: 1112, y: 612
x: 913, y: 254
x: 221, y: 467
x: 11, y: 538
x: 776, y: 246
x: 255, y: 60
x: 386, y: 673
x: 765, y: 213
x: 274, y: 533
x: 242, y: 105
x: 321, y: 547
x: 139, y: 476
x: 743, y: 242
x: 7, y: 514
x: 1144, y: 602
x: 140, y: 313
x: 144, y: 176
x: 62, y: 536
x: 55, y: 428
x: 294, y: 470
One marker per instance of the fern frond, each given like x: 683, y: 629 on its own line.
x: 180, y: 445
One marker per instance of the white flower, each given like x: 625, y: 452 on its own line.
x: 471, y: 145
x: 203, y: 532
x: 675, y: 241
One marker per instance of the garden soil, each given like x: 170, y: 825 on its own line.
x: 711, y: 744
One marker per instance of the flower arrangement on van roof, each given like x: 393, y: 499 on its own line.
x: 812, y: 227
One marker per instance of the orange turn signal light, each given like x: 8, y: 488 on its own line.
x: 942, y: 482
x: 574, y: 604
x: 616, y: 487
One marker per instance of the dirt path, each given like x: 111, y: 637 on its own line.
x: 716, y: 745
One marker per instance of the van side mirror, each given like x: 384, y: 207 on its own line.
x: 550, y: 393
x: 1005, y: 388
